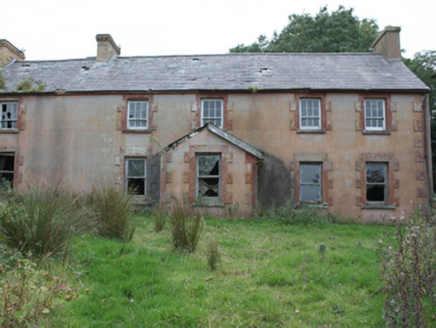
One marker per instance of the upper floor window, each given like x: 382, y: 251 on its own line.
x: 8, y: 118
x: 137, y: 115
x: 212, y: 111
x: 375, y: 114
x: 135, y: 176
x: 310, y: 114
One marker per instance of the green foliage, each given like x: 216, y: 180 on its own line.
x: 114, y: 212
x: 186, y: 228
x: 2, y: 81
x: 322, y: 249
x: 213, y: 255
x: 26, y: 294
x: 303, y: 214
x: 338, y: 31
x: 409, y: 270
x: 30, y: 85
x: 160, y: 217
x: 41, y: 222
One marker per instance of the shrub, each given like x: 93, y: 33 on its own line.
x: 114, y: 212
x: 302, y: 214
x: 41, y: 222
x: 409, y: 270
x: 213, y: 255
x: 160, y: 217
x: 186, y: 228
x: 26, y: 294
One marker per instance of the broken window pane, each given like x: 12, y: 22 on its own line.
x: 208, y: 176
x: 310, y: 182
x: 376, y: 182
x: 8, y: 118
x: 135, y: 176
x: 7, y: 167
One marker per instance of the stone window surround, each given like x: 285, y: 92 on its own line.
x: 326, y: 182
x: 390, y: 125
x: 124, y: 111
x: 325, y: 124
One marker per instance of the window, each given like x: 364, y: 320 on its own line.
x: 135, y: 176
x: 310, y: 182
x: 375, y: 114
x: 8, y: 119
x: 310, y: 114
x: 208, y: 176
x: 212, y: 111
x: 137, y: 115
x: 376, y: 182
x: 7, y: 167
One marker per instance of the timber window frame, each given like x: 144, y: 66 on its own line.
x: 311, y: 186
x: 138, y: 114
x: 7, y: 167
x: 377, y: 183
x: 212, y: 110
x: 375, y: 114
x: 208, y: 177
x: 136, y: 176
x: 310, y: 114
x: 8, y: 115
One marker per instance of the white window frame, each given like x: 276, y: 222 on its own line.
x: 377, y: 117
x: 210, y: 118
x: 307, y: 116
x: 132, y: 117
x: 303, y: 183
x: 12, y: 108
x: 199, y: 176
x: 144, y: 176
x: 385, y: 183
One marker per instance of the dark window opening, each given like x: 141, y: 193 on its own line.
x: 135, y: 176
x: 208, y: 176
x: 8, y: 118
x: 376, y: 182
x: 7, y: 168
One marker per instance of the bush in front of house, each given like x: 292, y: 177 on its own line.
x: 113, y: 209
x: 41, y: 222
x: 186, y: 228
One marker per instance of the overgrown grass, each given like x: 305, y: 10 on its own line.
x: 186, y: 227
x: 270, y: 274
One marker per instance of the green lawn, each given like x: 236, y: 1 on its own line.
x: 271, y: 275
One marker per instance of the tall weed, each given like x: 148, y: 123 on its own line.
x: 114, y: 212
x: 186, y: 228
x: 409, y: 270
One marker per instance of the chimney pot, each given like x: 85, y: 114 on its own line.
x: 106, y: 48
x: 388, y: 42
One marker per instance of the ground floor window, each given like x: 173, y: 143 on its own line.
x: 376, y: 182
x: 208, y: 176
x: 7, y: 161
x: 135, y: 176
x: 310, y: 182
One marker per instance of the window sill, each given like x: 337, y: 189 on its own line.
x: 371, y: 132
x: 377, y: 207
x: 133, y: 131
x: 11, y: 131
x: 205, y: 203
x: 322, y: 206
x: 311, y: 131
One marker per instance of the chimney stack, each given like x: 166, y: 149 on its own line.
x: 106, y: 48
x: 9, y: 52
x: 388, y: 43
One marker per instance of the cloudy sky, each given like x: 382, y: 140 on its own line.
x: 56, y: 29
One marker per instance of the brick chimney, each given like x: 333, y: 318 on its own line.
x: 106, y: 48
x: 9, y: 52
x: 388, y: 42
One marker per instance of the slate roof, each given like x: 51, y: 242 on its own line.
x: 219, y: 132
x: 268, y: 71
